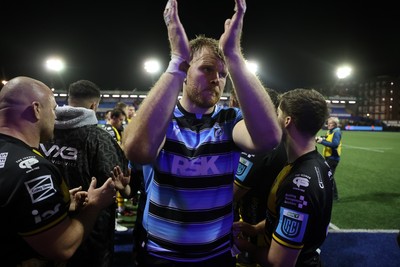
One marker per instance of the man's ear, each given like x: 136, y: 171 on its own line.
x: 33, y: 112
x: 94, y: 106
x: 288, y: 121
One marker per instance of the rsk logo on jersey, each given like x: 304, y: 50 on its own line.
x: 68, y: 153
x: 40, y: 188
x: 200, y: 166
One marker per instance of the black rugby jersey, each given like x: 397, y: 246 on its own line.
x: 257, y: 173
x: 81, y: 149
x: 33, y: 198
x: 300, y: 206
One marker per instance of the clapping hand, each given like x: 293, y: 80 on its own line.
x: 120, y: 180
x: 79, y: 199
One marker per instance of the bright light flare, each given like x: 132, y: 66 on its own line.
x: 152, y: 66
x: 55, y: 64
x: 252, y: 66
x: 343, y: 72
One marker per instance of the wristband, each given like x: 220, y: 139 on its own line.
x: 178, y: 65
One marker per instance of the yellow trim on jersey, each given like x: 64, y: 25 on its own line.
x: 285, y: 244
x: 37, y: 152
x: 47, y: 226
x: 241, y: 186
x: 272, y: 195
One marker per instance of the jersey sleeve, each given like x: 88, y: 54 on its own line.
x: 295, y: 206
x: 42, y: 199
x: 248, y: 169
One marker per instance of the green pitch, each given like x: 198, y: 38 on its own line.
x: 368, y: 181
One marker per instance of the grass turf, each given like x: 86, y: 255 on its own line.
x: 368, y: 181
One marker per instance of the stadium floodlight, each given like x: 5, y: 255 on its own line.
x: 55, y: 64
x: 152, y: 66
x: 252, y: 66
x: 343, y: 72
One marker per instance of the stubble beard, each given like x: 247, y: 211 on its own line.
x: 203, y: 98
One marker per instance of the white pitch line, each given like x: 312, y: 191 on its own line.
x: 372, y: 231
x: 380, y: 150
x: 333, y: 227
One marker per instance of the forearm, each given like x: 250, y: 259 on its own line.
x: 61, y: 241
x: 144, y: 135
x: 329, y: 144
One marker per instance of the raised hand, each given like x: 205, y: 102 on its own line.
x: 120, y: 180
x: 103, y: 196
x: 178, y: 40
x: 230, y: 39
x: 79, y: 199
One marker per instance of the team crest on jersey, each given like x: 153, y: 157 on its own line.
x: 243, y: 168
x: 3, y: 158
x: 218, y: 131
x: 40, y: 188
x: 292, y: 224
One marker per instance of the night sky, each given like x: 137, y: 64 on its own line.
x: 295, y: 43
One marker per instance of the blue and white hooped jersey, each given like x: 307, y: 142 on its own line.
x: 188, y: 213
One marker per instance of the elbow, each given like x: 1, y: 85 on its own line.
x: 265, y: 144
x: 58, y: 254
x: 65, y: 255
x: 272, y: 141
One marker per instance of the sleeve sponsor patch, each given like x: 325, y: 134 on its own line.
x: 292, y: 225
x: 243, y: 169
x: 3, y: 158
x: 40, y: 188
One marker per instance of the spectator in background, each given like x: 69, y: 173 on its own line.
x: 107, y: 118
x: 115, y: 126
x: 300, y: 202
x: 253, y: 181
x: 89, y: 151
x: 131, y: 113
x: 332, y: 143
x: 124, y: 107
x: 191, y: 147
x: 37, y: 225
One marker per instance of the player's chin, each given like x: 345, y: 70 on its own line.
x: 210, y: 101
x: 212, y: 96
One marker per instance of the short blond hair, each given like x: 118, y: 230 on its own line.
x: 334, y: 120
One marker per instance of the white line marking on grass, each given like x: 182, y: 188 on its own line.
x: 372, y: 231
x: 333, y: 227
x: 379, y: 149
